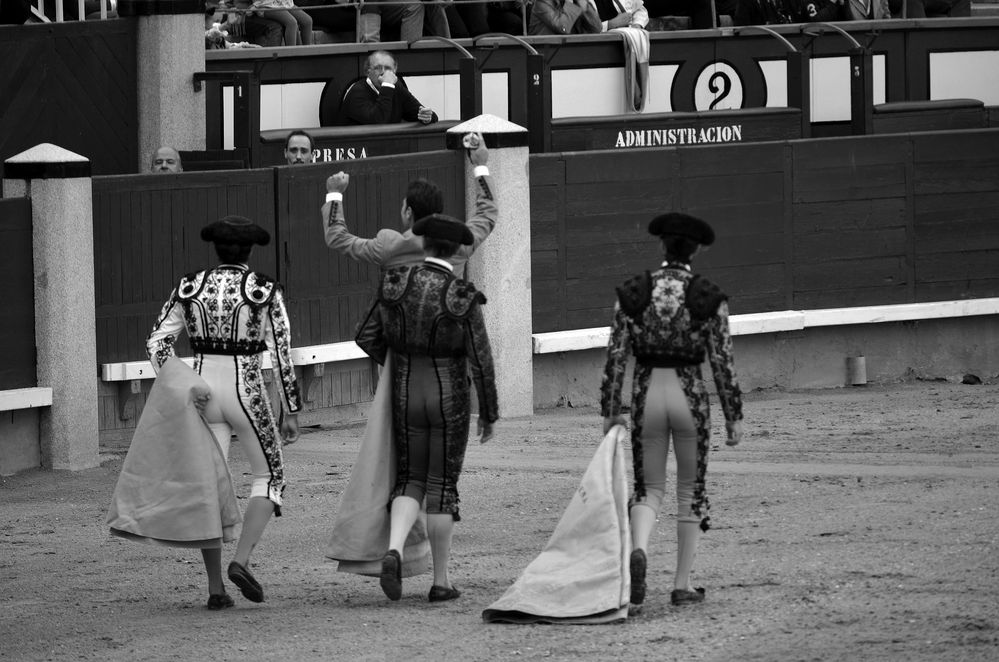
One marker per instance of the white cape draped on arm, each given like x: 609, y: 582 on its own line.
x: 174, y: 488
x: 361, y: 530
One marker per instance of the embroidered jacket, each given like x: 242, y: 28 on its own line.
x: 671, y: 319
x: 228, y: 310
x: 425, y: 310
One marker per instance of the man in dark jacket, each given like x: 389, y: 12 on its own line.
x: 382, y: 97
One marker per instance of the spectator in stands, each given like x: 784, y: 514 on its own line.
x: 335, y: 23
x: 699, y: 11
x: 298, y: 148
x: 771, y: 12
x: 412, y: 18
x: 382, y: 97
x: 508, y: 16
x: 930, y: 8
x: 166, y: 159
x: 621, y: 14
x: 468, y: 19
x: 295, y: 23
x: 563, y: 17
x: 258, y: 30
x: 865, y: 10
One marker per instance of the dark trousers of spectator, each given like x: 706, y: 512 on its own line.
x: 408, y: 16
x: 467, y: 20
x: 508, y: 17
x: 930, y: 8
x: 699, y: 11
x: 262, y: 31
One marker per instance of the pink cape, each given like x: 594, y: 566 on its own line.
x: 174, y: 487
x: 361, y: 530
x: 582, y: 575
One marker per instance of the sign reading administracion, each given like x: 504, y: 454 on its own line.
x: 706, y: 135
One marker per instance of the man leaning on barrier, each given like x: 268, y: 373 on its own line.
x: 381, y: 97
x: 391, y: 248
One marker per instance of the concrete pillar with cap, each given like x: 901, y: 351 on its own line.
x: 58, y: 183
x: 170, y: 49
x: 501, y: 267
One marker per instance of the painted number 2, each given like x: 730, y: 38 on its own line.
x: 720, y: 84
x: 718, y: 87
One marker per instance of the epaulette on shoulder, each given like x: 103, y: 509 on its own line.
x: 703, y: 297
x: 460, y: 297
x: 635, y: 294
x: 190, y: 285
x: 394, y: 283
x: 258, y: 288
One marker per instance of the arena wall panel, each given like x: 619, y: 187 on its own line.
x: 147, y: 235
x: 17, y: 315
x: 74, y: 85
x: 804, y: 224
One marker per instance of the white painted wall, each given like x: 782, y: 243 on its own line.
x: 969, y: 75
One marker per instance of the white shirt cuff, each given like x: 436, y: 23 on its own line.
x: 480, y: 171
x: 334, y: 196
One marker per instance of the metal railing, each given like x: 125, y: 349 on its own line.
x: 38, y: 10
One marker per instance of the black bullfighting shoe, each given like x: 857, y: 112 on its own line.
x: 682, y: 596
x: 218, y: 601
x: 391, y: 577
x: 248, y: 586
x: 442, y: 593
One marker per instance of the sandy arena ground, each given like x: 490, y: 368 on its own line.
x: 852, y: 524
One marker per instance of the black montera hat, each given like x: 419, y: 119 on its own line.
x: 235, y: 230
x: 442, y: 226
x: 684, y: 225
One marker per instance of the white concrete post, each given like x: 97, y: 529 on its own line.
x: 59, y: 185
x: 170, y: 49
x: 501, y: 267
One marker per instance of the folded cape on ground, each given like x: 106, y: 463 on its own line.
x: 174, y: 487
x: 582, y: 574
x: 361, y: 530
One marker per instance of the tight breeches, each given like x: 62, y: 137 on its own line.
x: 430, y: 426
x: 239, y: 404
x: 667, y: 414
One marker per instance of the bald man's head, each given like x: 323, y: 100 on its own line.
x: 166, y: 159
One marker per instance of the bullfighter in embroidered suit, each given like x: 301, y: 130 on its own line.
x: 432, y: 322
x: 670, y: 320
x: 231, y: 316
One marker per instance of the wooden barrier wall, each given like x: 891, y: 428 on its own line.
x: 73, y: 85
x: 147, y: 235
x: 822, y: 223
x: 17, y: 315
